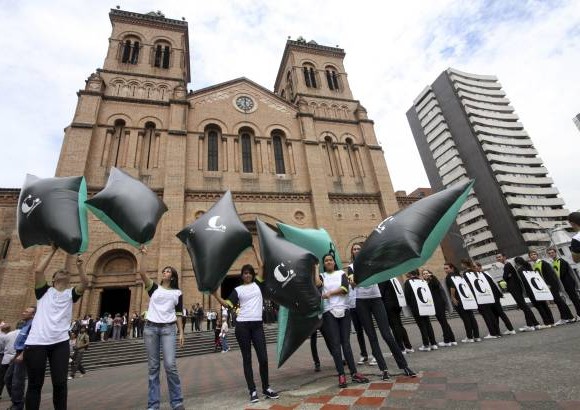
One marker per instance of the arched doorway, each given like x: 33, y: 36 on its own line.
x: 115, y: 300
x: 115, y: 275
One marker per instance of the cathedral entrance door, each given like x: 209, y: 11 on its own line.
x: 115, y: 300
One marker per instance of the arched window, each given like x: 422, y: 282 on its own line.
x: 332, y: 78
x: 309, y: 76
x: 130, y: 51
x: 148, y: 146
x: 162, y: 55
x: 352, y: 161
x: 117, y: 143
x: 212, y: 150
x: 278, y: 154
x: 289, y: 86
x: 246, y: 152
x: 331, y: 156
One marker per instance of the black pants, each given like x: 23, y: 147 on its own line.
x: 545, y: 312
x: 498, y: 314
x: 35, y: 361
x: 469, y: 322
x: 360, y: 335
x: 570, y: 289
x: 399, y: 331
x: 77, y: 363
x: 565, y: 312
x: 314, y: 348
x: 374, y: 307
x: 3, y: 369
x: 448, y: 335
x: 523, y: 306
x: 336, y: 333
x: 489, y: 319
x: 426, y: 329
x: 248, y: 333
x: 15, y: 380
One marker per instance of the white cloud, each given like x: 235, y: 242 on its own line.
x: 533, y: 47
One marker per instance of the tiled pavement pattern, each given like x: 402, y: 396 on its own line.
x: 431, y: 390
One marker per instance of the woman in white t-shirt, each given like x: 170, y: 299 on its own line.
x: 336, y: 319
x: 49, y: 337
x: 249, y: 326
x: 163, y: 313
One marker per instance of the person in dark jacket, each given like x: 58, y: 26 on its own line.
x: 496, y: 308
x: 440, y: 301
x: 541, y: 305
x: 423, y: 322
x: 547, y: 271
x: 566, y: 274
x: 391, y: 301
x: 466, y: 315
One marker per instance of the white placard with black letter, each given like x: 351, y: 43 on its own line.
x: 465, y: 294
x: 539, y: 287
x: 423, y: 297
x: 481, y: 289
x: 399, y: 292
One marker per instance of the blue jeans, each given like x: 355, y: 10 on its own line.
x: 224, y: 341
x: 157, y: 337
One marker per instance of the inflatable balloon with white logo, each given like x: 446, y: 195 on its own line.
x: 214, y: 242
x: 406, y: 240
x: 288, y: 272
x: 317, y: 241
x: 293, y: 329
x: 52, y: 211
x: 129, y: 207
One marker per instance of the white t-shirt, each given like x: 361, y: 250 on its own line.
x: 164, y: 304
x: 53, y: 316
x: 330, y: 282
x: 249, y: 297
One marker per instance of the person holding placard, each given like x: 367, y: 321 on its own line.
x: 483, y: 296
x: 516, y: 288
x: 525, y: 271
x: 463, y: 302
x: 420, y: 301
x: 547, y: 271
x: 496, y: 308
x: 574, y: 220
x: 567, y: 276
x: 441, y: 304
x: 394, y: 301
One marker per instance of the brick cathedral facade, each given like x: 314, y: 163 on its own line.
x: 305, y: 154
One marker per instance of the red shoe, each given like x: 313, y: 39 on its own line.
x: 342, y: 381
x: 359, y: 378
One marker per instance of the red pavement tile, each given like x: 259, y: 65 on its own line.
x: 319, y: 399
x: 431, y: 387
x: 335, y: 407
x: 569, y: 404
x: 434, y: 374
x: 380, y: 386
x: 461, y: 380
x: 431, y: 403
x: 280, y: 407
x: 532, y: 396
x: 351, y: 392
x: 370, y: 401
x: 493, y: 387
x: 407, y: 379
x: 499, y: 405
x: 401, y: 394
x: 461, y: 395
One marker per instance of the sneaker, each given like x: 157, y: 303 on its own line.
x: 404, y: 351
x: 452, y: 343
x: 70, y: 378
x: 363, y: 360
x: 509, y: 332
x: 467, y: 340
x: 477, y: 339
x: 254, y: 397
x: 443, y: 344
x: 434, y: 347
x: 490, y: 337
x: 386, y: 375
x: 424, y: 348
x: 316, y: 367
x: 409, y: 372
x: 411, y: 350
x: 342, y: 381
x: 527, y: 329
x: 271, y: 394
x: 373, y: 362
x: 559, y: 322
x: 359, y: 378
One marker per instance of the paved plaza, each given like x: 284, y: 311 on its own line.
x: 538, y: 370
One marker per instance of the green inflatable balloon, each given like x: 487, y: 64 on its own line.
x: 317, y: 241
x: 293, y: 329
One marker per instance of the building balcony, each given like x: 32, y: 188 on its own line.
x: 493, y: 123
x: 451, y: 168
x: 492, y: 92
x: 517, y: 142
x: 488, y: 106
x: 480, y: 84
x: 436, y: 123
x: 535, y: 236
x: 483, y: 98
x: 510, y: 189
x: 500, y: 131
x: 433, y: 112
x: 451, y: 176
x: 465, y: 217
x: 429, y: 99
x: 440, y: 139
x: 443, y: 149
x: 491, y: 114
x: 469, y: 203
x: 447, y: 157
x: 508, y: 169
x: 476, y: 251
x: 535, y: 201
x: 540, y: 213
x: 466, y: 230
x: 471, y: 76
x: 512, y: 159
x: 509, y: 150
x: 516, y: 179
x: 480, y: 237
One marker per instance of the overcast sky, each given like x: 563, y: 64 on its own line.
x: 50, y: 47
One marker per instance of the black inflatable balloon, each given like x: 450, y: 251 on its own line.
x: 405, y: 240
x: 52, y: 211
x: 288, y: 268
x: 128, y: 207
x: 293, y: 329
x: 214, y: 242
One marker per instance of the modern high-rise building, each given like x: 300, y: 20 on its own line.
x: 576, y: 120
x: 464, y: 128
